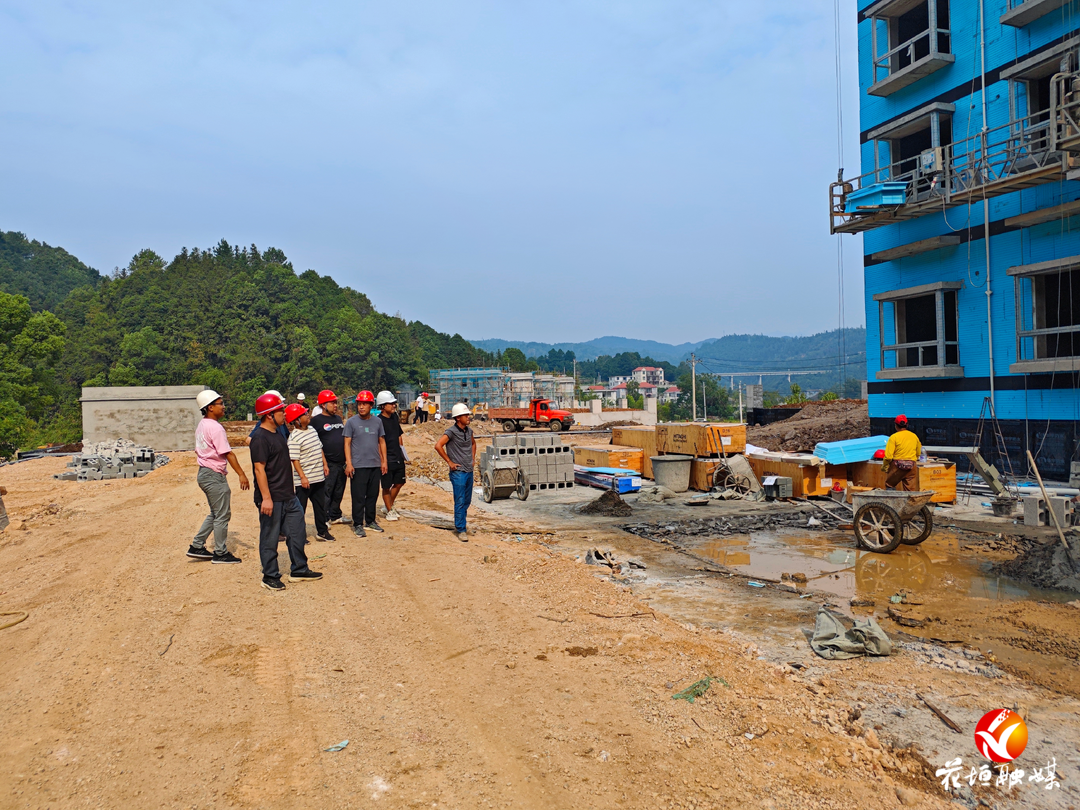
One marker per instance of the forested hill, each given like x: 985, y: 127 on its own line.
x: 239, y: 320
x: 44, y: 274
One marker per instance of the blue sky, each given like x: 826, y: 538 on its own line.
x: 549, y: 171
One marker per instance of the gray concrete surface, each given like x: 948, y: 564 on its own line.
x: 162, y: 417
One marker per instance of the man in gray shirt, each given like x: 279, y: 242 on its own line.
x: 457, y: 446
x: 365, y: 462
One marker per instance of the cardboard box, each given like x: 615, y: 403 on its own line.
x: 607, y: 455
x: 938, y: 476
x: 641, y: 437
x: 806, y: 478
x: 701, y: 439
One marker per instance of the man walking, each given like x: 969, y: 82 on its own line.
x: 213, y: 453
x: 420, y: 408
x: 331, y: 432
x: 279, y: 508
x: 902, y: 453
x: 457, y: 446
x: 394, y: 478
x: 309, y: 468
x: 365, y: 463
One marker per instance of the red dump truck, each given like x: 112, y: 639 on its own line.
x: 540, y: 413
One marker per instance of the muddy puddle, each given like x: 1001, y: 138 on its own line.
x: 938, y: 569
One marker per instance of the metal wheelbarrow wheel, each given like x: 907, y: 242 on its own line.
x: 486, y: 487
x: 919, y: 527
x: 878, y: 527
x: 522, y: 486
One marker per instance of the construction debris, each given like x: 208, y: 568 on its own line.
x: 106, y: 461
x: 817, y: 422
x: 727, y: 526
x: 608, y: 504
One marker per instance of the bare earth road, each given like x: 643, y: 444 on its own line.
x: 463, y: 675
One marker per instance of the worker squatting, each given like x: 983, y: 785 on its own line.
x: 299, y: 457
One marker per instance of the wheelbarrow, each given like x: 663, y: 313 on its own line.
x: 502, y: 479
x: 885, y: 518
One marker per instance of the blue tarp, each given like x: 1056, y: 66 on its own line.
x: 850, y: 451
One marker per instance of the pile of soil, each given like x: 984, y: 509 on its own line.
x: 608, y: 504
x: 436, y: 429
x: 1047, y: 565
x: 818, y: 422
x: 735, y: 525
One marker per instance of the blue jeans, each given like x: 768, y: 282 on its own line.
x: 462, y: 482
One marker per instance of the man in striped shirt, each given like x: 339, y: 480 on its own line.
x: 309, y: 467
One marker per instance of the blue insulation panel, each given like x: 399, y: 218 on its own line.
x: 850, y: 451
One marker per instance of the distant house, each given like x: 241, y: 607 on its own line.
x: 648, y: 390
x: 649, y: 374
x: 670, y: 394
x: 613, y: 381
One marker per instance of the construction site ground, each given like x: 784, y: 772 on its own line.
x: 502, y: 672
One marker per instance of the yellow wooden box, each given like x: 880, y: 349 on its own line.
x: 640, y: 437
x: 607, y: 455
x: 938, y: 476
x: 701, y: 439
x: 806, y: 479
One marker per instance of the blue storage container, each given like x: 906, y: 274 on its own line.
x: 872, y: 196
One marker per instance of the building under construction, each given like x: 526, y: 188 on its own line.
x: 499, y: 387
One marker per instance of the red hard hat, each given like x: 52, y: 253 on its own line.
x: 424, y: 395
x: 294, y: 412
x: 365, y: 396
x: 901, y: 420
x: 326, y: 396
x: 879, y: 455
x: 268, y: 403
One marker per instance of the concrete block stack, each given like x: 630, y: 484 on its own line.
x: 106, y: 461
x: 545, y: 460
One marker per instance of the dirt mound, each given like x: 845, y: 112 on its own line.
x: 817, y: 422
x: 436, y: 429
x: 609, y: 504
x: 1046, y: 565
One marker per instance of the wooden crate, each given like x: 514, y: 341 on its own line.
x: 806, y: 479
x: 701, y: 439
x: 701, y: 473
x: 939, y: 476
x: 640, y: 437
x: 607, y: 455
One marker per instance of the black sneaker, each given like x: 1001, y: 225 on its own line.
x: 359, y: 531
x: 326, y: 538
x: 375, y: 527
x: 199, y: 553
x: 224, y: 559
x: 305, y: 576
x: 273, y: 584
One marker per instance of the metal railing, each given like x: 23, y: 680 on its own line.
x: 941, y: 349
x: 884, y: 62
x: 1026, y: 151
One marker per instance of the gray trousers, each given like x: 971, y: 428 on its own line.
x: 216, y: 487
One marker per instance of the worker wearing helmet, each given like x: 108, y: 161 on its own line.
x: 457, y: 446
x: 214, y: 456
x: 394, y: 478
x: 331, y: 431
x: 365, y: 463
x: 279, y: 509
x: 282, y: 429
x: 420, y: 409
x: 309, y: 467
x: 901, y: 456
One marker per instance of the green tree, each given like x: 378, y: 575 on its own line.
x: 797, y: 396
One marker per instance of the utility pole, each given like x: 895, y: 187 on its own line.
x: 693, y: 386
x: 740, y: 404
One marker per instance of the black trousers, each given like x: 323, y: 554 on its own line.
x: 316, y: 493
x: 334, y: 489
x: 287, y: 519
x: 365, y: 494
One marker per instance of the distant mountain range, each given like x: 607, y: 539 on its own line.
x: 727, y: 354
x: 591, y: 349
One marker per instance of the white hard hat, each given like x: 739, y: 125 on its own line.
x: 461, y: 409
x: 204, y: 398
x: 275, y: 393
x: 384, y: 398
x: 300, y: 397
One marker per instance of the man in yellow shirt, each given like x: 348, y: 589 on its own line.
x: 901, y: 455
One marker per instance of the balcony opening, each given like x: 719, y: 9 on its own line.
x: 1057, y: 306
x: 914, y: 27
x: 916, y: 40
x: 918, y: 331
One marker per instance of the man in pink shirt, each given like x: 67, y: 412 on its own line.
x: 213, y: 453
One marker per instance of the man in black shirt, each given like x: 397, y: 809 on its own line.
x: 279, y: 509
x: 394, y: 478
x: 330, y: 429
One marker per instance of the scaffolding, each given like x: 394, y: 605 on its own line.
x: 1027, y: 151
x: 476, y: 386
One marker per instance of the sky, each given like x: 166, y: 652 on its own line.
x: 546, y: 171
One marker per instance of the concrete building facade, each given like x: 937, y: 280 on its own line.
x: 162, y: 417
x: 969, y: 200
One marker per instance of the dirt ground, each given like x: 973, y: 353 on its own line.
x: 486, y: 674
x: 817, y: 422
